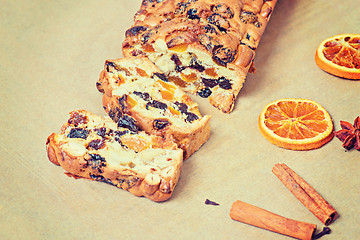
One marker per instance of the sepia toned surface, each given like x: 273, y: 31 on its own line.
x: 51, y: 57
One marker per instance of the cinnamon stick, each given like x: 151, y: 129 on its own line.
x: 249, y: 214
x: 306, y: 194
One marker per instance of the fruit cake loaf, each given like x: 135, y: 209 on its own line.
x: 94, y: 147
x: 206, y: 47
x: 134, y: 86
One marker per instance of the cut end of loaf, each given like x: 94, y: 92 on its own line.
x: 93, y: 147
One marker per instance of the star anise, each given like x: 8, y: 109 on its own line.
x: 349, y: 134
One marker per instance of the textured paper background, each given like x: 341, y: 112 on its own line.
x: 51, y: 55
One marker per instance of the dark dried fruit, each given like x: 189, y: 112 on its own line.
x: 224, y: 10
x: 224, y: 83
x: 76, y: 119
x: 252, y: 48
x: 191, y: 117
x: 115, y: 114
x: 161, y: 76
x: 101, y: 178
x: 191, y: 14
x: 156, y: 104
x: 223, y: 56
x: 101, y: 131
x: 194, y: 64
x: 145, y: 36
x: 78, y: 133
x: 153, y: 2
x: 126, y: 181
x: 208, y: 42
x: 160, y: 124
x: 120, y: 133
x: 177, y: 40
x: 128, y: 122
x: 122, y: 102
x: 209, y: 82
x: 221, y: 23
x: 209, y: 29
x: 111, y: 65
x: 248, y: 17
x: 181, y: 106
x: 176, y: 59
x: 179, y: 68
x: 96, y: 144
x: 205, y: 92
x: 143, y: 95
x: 181, y: 8
x: 96, y: 162
x: 258, y: 24
x: 134, y: 31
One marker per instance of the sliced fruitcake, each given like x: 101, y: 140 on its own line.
x: 135, y: 87
x: 206, y: 47
x: 94, y: 147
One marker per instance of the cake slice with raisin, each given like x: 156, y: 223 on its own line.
x: 206, y: 47
x: 135, y: 87
x: 93, y: 147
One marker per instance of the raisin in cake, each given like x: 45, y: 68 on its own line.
x: 135, y: 87
x: 94, y: 147
x: 204, y: 46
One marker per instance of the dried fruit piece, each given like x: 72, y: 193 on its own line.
x: 248, y: 17
x: 78, y: 133
x: 209, y: 82
x: 96, y: 144
x: 160, y: 124
x: 156, y: 104
x: 223, y: 56
x: 224, y: 10
x: 191, y: 14
x: 161, y: 76
x: 297, y: 124
x: 191, y: 117
x: 340, y: 55
x: 128, y: 122
x: 76, y: 119
x: 204, y: 92
x: 224, y: 83
x: 96, y: 162
x: 221, y: 23
x: 134, y: 31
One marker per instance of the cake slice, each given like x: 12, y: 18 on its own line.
x: 206, y: 47
x: 135, y: 87
x: 93, y: 147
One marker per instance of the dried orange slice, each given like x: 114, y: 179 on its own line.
x: 340, y: 55
x: 297, y: 124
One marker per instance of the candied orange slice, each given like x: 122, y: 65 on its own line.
x: 297, y: 124
x: 167, y: 86
x: 179, y: 47
x: 174, y: 111
x: 141, y: 72
x: 167, y: 95
x: 130, y: 102
x: 340, y: 55
x: 178, y: 81
x: 136, y: 143
x: 192, y: 77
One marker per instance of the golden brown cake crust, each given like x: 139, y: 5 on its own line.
x: 154, y: 186
x: 227, y: 31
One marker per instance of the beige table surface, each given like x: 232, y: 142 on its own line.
x: 51, y: 55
